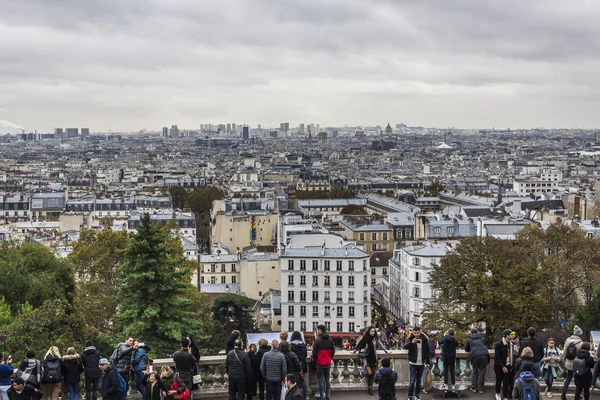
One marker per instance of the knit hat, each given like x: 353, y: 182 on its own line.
x: 385, y: 362
x: 577, y: 331
x: 526, y: 375
x: 103, y: 361
x: 474, y: 330
x: 506, y: 332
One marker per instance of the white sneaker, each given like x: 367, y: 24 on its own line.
x: 498, y: 396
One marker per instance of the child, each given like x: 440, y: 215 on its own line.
x: 550, y: 365
x: 386, y: 378
x: 526, y: 382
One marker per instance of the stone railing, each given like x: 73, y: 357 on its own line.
x: 346, y: 372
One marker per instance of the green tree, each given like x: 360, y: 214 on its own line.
x: 499, y: 282
x: 353, y: 209
x: 179, y: 196
x: 200, y: 202
x: 435, y: 188
x: 96, y: 258
x: 588, y: 316
x: 33, y: 274
x: 232, y: 312
x: 5, y: 313
x: 153, y: 289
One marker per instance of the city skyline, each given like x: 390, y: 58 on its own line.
x: 126, y: 66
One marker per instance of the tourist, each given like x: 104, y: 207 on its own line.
x: 30, y: 370
x: 299, y: 348
x: 448, y: 344
x: 537, y: 346
x: 503, y: 366
x: 386, y: 379
x: 293, y: 392
x: 121, y: 361
x: 20, y: 390
x: 170, y: 383
x: 52, y: 376
x: 418, y: 360
x: 480, y: 357
x: 152, y: 386
x: 72, y: 367
x: 322, y: 354
x: 550, y: 365
x: 274, y: 369
x: 524, y: 363
x: 252, y: 380
x: 239, y: 371
x: 110, y: 388
x: 235, y: 335
x: 6, y: 371
x: 263, y: 347
x: 185, y: 364
x: 139, y: 363
x: 91, y: 370
x: 370, y: 342
x: 283, y: 337
x: 526, y: 381
x: 572, y: 346
x: 582, y: 371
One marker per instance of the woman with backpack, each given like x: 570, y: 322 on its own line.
x: 72, y: 367
x: 299, y: 349
x: 550, y: 365
x: 582, y: 371
x: 52, y: 375
x: 367, y: 348
x: 524, y: 363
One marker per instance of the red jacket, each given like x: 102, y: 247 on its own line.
x: 323, y: 350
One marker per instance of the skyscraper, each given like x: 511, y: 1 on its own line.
x: 301, y: 128
x: 85, y: 131
x: 165, y: 132
x: 246, y: 133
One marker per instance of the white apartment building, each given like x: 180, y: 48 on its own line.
x: 325, y: 285
x: 409, y: 279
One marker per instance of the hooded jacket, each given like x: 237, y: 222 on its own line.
x: 323, y: 350
x: 585, y: 380
x: 386, y: 371
x: 90, y: 359
x: 72, y: 367
x: 123, y: 358
x: 523, y: 364
x: 140, y: 358
x: 31, y: 372
x: 525, y: 379
x: 6, y: 371
x: 110, y: 388
x: 449, y: 345
x: 476, y: 346
x: 578, y: 342
x: 299, y: 349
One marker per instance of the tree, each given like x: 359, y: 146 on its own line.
x: 179, y: 196
x: 588, y: 317
x: 32, y: 274
x: 353, y: 209
x: 200, y: 202
x: 153, y: 289
x: 435, y: 188
x: 232, y: 312
x: 96, y: 258
x: 499, y: 282
x: 5, y: 313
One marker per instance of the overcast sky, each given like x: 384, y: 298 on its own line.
x: 127, y: 65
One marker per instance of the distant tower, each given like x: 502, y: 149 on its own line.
x: 165, y: 132
x: 388, y: 129
x: 245, y: 133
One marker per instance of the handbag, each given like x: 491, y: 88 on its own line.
x: 428, y: 381
x: 182, y: 396
x: 197, y: 379
x: 364, y: 352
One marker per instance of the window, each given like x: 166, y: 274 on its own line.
x: 315, y: 281
x: 328, y: 326
x: 437, y: 230
x: 373, y: 281
x: 291, y: 311
x: 291, y: 326
x: 234, y: 279
x: 398, y: 233
x: 290, y: 265
x: 233, y: 269
x: 303, y: 311
x: 291, y: 296
x: 373, y: 271
x: 350, y: 265
x: 315, y: 324
x: 416, y: 261
x: 351, y: 297
x: 365, y: 310
x: 223, y: 279
x: 302, y: 280
x: 338, y: 281
x: 202, y: 279
x: 222, y: 267
x: 338, y: 296
x: 339, y: 311
x: 417, y: 276
x: 384, y: 236
x: 327, y: 311
x: 408, y: 233
x: 303, y: 295
x: 327, y: 265
x: 374, y: 236
x: 365, y: 280
x: 340, y: 326
x: 315, y: 265
x: 384, y: 271
x: 303, y: 326
x: 351, y: 311
x: 327, y: 299
x: 315, y: 296
x: 450, y: 231
x: 361, y: 236
x: 338, y: 265
x: 302, y: 265
x: 213, y: 279
x: 350, y: 326
x: 213, y: 268
x: 365, y: 296
x: 364, y: 265
x: 417, y: 292
x: 326, y: 280
x: 374, y: 246
x: 290, y: 280
x: 351, y: 281
x: 315, y: 311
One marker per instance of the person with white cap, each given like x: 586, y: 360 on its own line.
x: 572, y: 347
x: 110, y: 388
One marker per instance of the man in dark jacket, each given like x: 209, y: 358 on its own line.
x: 185, y: 364
x: 274, y: 368
x: 121, y: 361
x: 418, y: 359
x: 110, y: 389
x: 502, y: 366
x: 449, y: 343
x: 20, y: 390
x: 263, y: 347
x: 238, y: 368
x: 538, y: 350
x: 92, y: 373
x: 293, y: 391
x: 322, y: 354
x: 480, y: 357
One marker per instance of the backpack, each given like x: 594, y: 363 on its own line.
x: 580, y: 366
x: 386, y: 387
x: 52, y: 371
x: 527, y: 392
x: 122, y: 383
x: 114, y: 358
x: 571, y: 351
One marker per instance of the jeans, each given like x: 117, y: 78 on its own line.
x: 567, y: 382
x: 537, y: 372
x: 273, y: 390
x: 324, y: 384
x: 304, y: 387
x: 92, y: 386
x: 139, y: 376
x: 449, y: 370
x: 3, y: 394
x: 548, y: 378
x: 237, y: 389
x: 596, y: 370
x: 73, y: 390
x: 504, y: 381
x: 479, y: 364
x: 416, y: 372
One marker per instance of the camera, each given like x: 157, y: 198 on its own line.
x: 418, y: 341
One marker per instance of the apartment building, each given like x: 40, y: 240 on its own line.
x: 373, y: 235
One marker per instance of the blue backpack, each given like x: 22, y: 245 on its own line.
x: 123, y: 384
x: 527, y: 392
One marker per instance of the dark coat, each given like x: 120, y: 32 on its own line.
x: 91, y: 359
x: 230, y: 343
x: 123, y: 358
x: 152, y: 393
x: 110, y: 385
x: 186, y: 367
x: 449, y: 345
x: 237, y: 364
x: 255, y: 376
x: 166, y: 384
x: 299, y: 349
x: 28, y: 393
x: 293, y: 364
x: 413, y: 349
x: 534, y: 344
x: 260, y: 353
x: 476, y: 346
x: 500, y: 353
x: 370, y: 342
x: 72, y: 367
x: 585, y: 380
x: 295, y: 393
x: 523, y: 364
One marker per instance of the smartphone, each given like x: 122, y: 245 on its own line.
x: 150, y: 368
